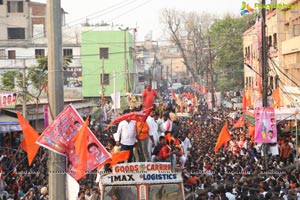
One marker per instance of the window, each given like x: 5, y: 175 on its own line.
x: 16, y: 33
x: 15, y: 6
x: 103, y: 53
x: 275, y: 40
x: 11, y: 54
x: 104, y: 80
x: 296, y: 29
x: 39, y: 53
x: 270, y: 41
x: 68, y: 53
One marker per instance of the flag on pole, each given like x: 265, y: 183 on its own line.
x: 30, y: 137
x: 244, y: 101
x: 81, y: 143
x: 240, y: 122
x: 276, y: 97
x: 224, y: 136
x: 119, y: 157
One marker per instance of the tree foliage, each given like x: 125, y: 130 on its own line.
x: 204, y: 40
x: 187, y: 31
x: 36, y: 78
x: 227, y: 45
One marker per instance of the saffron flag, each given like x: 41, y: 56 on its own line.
x: 174, y: 95
x: 240, y: 122
x: 223, y: 137
x: 259, y: 85
x: 60, y: 135
x: 248, y: 98
x: 81, y: 143
x: 119, y: 157
x: 244, y: 101
x: 30, y: 137
x: 251, y: 131
x: 276, y: 97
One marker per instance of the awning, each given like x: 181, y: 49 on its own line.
x: 9, y: 124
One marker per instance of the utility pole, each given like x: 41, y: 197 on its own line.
x: 56, y: 162
x: 264, y: 56
x: 24, y: 104
x: 102, y: 82
x: 264, y: 74
x: 212, y: 89
x: 125, y: 60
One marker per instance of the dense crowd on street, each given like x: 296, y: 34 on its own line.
x: 241, y: 169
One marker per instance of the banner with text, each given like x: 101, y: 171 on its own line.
x: 59, y: 137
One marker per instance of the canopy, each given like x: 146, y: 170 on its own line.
x: 9, y: 124
x: 282, y: 113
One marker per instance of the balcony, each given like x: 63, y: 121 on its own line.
x: 291, y: 45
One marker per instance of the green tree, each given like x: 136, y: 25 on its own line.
x: 227, y: 46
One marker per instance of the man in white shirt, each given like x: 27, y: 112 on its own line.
x: 186, y: 145
x: 153, y: 130
x: 126, y: 136
x: 167, y: 123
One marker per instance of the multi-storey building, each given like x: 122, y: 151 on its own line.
x: 283, y: 46
x: 107, y: 62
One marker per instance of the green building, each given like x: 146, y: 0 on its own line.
x: 102, y: 54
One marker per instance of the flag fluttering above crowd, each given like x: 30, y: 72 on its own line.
x: 70, y: 136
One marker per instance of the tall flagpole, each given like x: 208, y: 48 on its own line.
x: 56, y: 162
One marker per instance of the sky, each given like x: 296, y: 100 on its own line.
x: 141, y: 14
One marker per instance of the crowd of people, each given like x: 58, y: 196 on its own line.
x: 240, y: 169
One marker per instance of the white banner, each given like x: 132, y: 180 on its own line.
x: 116, y: 99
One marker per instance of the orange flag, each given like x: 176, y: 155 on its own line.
x: 81, y: 143
x: 30, y: 137
x: 259, y: 85
x: 244, y: 101
x: 174, y: 95
x: 119, y: 157
x: 240, y: 122
x: 248, y: 98
x: 276, y: 97
x: 251, y: 131
x: 223, y: 137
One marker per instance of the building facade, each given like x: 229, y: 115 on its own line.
x: 283, y: 50
x: 107, y: 62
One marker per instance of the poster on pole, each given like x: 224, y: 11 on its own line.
x: 59, y: 137
x: 265, y: 125
x: 8, y: 99
x: 116, y: 99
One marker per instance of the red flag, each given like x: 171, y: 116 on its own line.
x: 240, y: 122
x: 81, y: 143
x: 244, y: 101
x: 137, y: 116
x: 276, y: 97
x: 174, y: 96
x: 30, y: 137
x: 223, y: 137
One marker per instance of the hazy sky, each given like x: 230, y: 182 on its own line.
x: 142, y: 14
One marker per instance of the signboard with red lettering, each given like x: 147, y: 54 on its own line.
x: 140, y: 173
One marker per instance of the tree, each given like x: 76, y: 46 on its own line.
x: 36, y: 79
x: 187, y: 31
x: 227, y: 46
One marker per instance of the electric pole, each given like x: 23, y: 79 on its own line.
x: 212, y: 88
x: 264, y: 74
x: 56, y: 162
x: 125, y: 59
x: 24, y: 91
